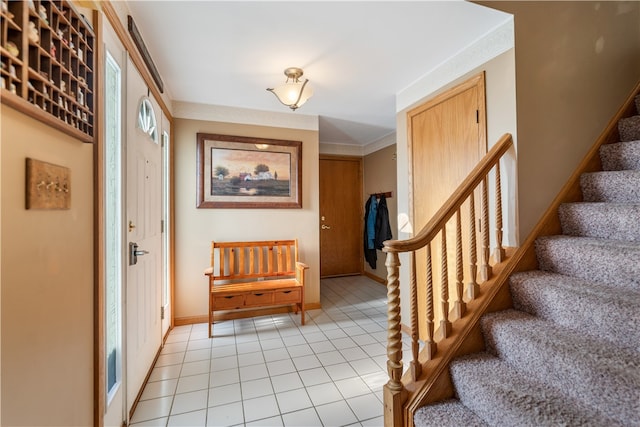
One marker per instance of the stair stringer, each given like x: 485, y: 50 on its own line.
x: 435, y: 384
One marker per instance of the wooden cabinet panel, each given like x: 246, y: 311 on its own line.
x: 47, y: 64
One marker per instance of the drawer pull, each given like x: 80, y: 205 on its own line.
x: 230, y: 296
x: 287, y: 292
x: 258, y: 295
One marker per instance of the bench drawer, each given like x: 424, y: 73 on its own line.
x: 287, y: 296
x: 228, y: 302
x: 259, y: 298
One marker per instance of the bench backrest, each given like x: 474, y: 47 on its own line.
x: 251, y: 260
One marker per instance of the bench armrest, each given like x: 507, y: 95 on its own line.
x: 300, y: 268
x: 208, y: 271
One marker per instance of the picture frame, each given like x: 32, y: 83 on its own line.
x: 237, y: 172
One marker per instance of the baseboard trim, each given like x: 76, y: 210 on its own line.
x: 374, y: 277
x: 241, y: 314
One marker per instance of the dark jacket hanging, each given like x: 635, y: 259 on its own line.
x: 383, y: 228
x: 369, y: 250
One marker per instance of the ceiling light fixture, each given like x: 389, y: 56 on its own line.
x: 293, y: 93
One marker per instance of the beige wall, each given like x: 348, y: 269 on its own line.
x: 196, y: 228
x: 47, y: 283
x: 380, y: 177
x: 576, y: 62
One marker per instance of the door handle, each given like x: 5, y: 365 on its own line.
x: 325, y: 227
x: 134, y: 253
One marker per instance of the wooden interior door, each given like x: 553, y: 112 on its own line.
x: 341, y: 216
x: 448, y: 138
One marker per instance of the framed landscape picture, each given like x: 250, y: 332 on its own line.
x: 245, y: 172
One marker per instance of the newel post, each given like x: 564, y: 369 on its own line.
x: 394, y: 393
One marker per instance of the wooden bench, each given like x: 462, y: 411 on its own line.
x: 245, y: 275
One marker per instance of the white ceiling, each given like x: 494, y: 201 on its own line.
x: 357, y: 55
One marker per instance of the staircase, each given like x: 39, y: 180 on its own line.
x: 568, y: 353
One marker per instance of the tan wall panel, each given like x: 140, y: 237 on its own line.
x: 47, y: 283
x: 195, y: 228
x: 576, y: 62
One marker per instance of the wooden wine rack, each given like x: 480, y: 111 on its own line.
x: 47, y: 54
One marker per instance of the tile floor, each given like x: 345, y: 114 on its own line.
x: 270, y: 371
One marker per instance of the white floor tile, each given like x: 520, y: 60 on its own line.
x: 160, y: 373
x: 267, y: 422
x: 178, y: 347
x: 293, y: 400
x: 170, y: 359
x: 259, y: 408
x: 196, y: 355
x: 366, y: 406
x: 280, y: 367
x: 322, y: 346
x: 193, y: 383
x: 150, y: 409
x: 247, y: 359
x: 336, y: 414
x: 352, y: 387
x: 331, y: 358
x: 253, y: 372
x: 299, y: 350
x: 188, y: 402
x: 324, y: 393
x: 223, y: 351
x: 256, y: 388
x: 345, y: 342
x: 199, y: 344
x: 195, y: 368
x: 225, y: 415
x: 276, y: 354
x: 224, y: 363
x: 190, y: 419
x: 228, y: 376
x: 248, y: 347
x: 224, y: 394
x: 340, y: 371
x: 365, y: 366
x: 354, y: 353
x: 304, y: 418
x: 314, y: 376
x: 286, y: 382
x: 156, y: 389
x: 158, y: 422
x: 271, y: 344
x: 306, y: 362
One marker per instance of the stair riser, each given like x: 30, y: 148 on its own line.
x: 629, y: 129
x: 580, y: 371
x: 620, y: 156
x: 613, y: 265
x: 596, y: 315
x: 616, y: 187
x: 602, y: 220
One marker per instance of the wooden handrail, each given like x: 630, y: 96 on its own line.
x: 449, y: 208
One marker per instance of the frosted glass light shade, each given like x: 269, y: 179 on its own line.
x: 293, y: 93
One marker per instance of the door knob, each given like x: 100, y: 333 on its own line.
x: 325, y: 227
x: 131, y: 226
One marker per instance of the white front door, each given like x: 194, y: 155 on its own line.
x: 143, y: 223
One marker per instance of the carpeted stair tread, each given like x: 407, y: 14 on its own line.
x: 609, y: 313
x: 620, y: 156
x: 612, y: 262
x: 603, y: 377
x: 616, y: 221
x: 611, y: 186
x: 502, y: 397
x: 448, y: 413
x: 629, y: 128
